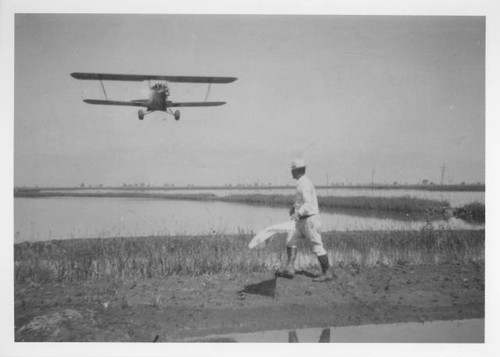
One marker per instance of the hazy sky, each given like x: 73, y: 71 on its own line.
x: 400, y: 95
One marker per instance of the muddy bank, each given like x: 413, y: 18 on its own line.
x: 180, y: 307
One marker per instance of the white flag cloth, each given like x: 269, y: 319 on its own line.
x: 268, y: 232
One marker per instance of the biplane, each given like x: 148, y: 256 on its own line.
x: 159, y: 91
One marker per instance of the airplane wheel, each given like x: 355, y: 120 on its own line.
x: 141, y: 114
x: 177, y: 115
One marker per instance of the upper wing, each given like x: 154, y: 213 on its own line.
x: 138, y: 77
x: 195, y: 104
x: 135, y: 103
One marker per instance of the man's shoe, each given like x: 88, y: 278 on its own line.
x: 284, y: 274
x: 323, y: 278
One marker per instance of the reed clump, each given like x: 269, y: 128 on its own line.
x: 401, y: 204
x: 156, y: 257
x: 473, y: 212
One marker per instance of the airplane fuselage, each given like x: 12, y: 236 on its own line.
x: 158, y: 97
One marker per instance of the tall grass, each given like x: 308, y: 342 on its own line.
x: 156, y: 257
x: 401, y: 204
x: 427, y: 246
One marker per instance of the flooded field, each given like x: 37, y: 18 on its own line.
x: 37, y: 219
x: 461, y: 331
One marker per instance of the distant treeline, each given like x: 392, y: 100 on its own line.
x: 426, y: 187
x: 157, y: 257
x: 35, y: 193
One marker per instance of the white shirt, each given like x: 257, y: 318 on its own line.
x: 306, y: 202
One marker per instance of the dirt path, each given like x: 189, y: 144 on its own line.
x: 178, y: 308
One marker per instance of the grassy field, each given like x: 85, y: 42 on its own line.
x: 156, y: 257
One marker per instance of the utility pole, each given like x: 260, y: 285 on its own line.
x: 327, y: 178
x: 373, y: 174
x: 443, y: 168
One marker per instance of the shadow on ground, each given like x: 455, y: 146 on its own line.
x: 264, y: 288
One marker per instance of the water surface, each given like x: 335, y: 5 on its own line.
x: 49, y: 218
x: 456, y: 331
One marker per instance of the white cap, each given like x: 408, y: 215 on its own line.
x: 298, y: 163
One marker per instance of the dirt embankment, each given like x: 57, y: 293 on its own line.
x: 178, y: 308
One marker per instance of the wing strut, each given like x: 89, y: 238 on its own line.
x: 104, y: 90
x: 208, y: 91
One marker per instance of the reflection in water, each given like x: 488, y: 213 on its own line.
x: 324, y: 337
x: 215, y: 340
x: 461, y: 331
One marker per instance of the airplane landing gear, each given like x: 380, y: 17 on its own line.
x: 176, y: 114
x: 141, y: 114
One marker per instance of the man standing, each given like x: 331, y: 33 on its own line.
x: 305, y: 212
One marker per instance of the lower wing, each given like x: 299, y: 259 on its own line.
x: 195, y: 104
x: 134, y: 103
